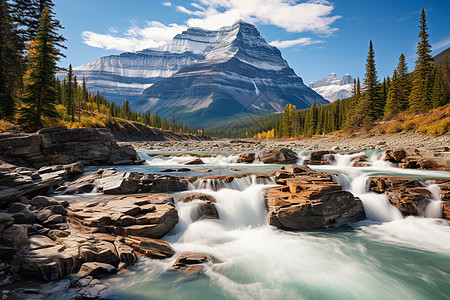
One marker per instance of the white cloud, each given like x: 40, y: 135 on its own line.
x: 153, y: 35
x: 297, y: 42
x: 313, y: 16
x: 441, y: 44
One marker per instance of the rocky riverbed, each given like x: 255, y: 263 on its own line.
x: 59, y: 223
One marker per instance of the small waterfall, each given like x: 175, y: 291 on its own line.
x: 434, y: 208
x: 240, y: 204
x: 376, y: 206
x: 239, y: 184
x: 302, y: 156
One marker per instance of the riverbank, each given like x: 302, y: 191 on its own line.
x: 356, y: 143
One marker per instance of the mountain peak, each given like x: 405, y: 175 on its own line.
x: 333, y: 87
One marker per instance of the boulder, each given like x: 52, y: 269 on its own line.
x: 190, y: 262
x: 408, y: 195
x: 126, y: 253
x: 278, y: 156
x: 14, y: 236
x: 21, y: 213
x: 152, y: 248
x: 101, y: 251
x: 444, y: 185
x: 95, y: 269
x: 196, y: 161
x: 311, y: 200
x: 206, y: 209
x: 247, y: 158
x: 50, y: 262
x: 319, y: 158
x: 119, y: 183
x: 395, y: 156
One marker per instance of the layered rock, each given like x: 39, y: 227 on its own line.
x: 205, y: 210
x: 416, y: 158
x: 310, y: 200
x: 445, y: 197
x: 16, y: 182
x: 109, y: 181
x: 409, y: 195
x: 322, y: 157
x: 59, y: 145
x: 278, y: 156
x: 152, y: 216
x: 247, y: 158
x: 190, y: 262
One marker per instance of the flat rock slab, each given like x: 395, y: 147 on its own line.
x: 152, y: 248
x: 190, y: 262
x: 95, y: 269
x: 151, y: 216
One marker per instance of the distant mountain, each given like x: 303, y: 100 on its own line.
x: 203, y: 77
x: 333, y: 87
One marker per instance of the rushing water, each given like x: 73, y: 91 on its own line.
x: 384, y: 257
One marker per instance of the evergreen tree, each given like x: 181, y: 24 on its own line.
x: 8, y: 62
x: 393, y: 100
x: 70, y: 94
x: 311, y: 120
x: 40, y: 93
x: 28, y: 14
x: 372, y: 106
x: 420, y: 97
x: 319, y: 130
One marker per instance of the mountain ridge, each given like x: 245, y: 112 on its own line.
x: 333, y: 87
x: 205, y: 77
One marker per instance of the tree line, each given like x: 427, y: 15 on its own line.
x: 30, y: 92
x: 426, y: 88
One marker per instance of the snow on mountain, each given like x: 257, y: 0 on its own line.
x: 333, y: 87
x: 202, y: 76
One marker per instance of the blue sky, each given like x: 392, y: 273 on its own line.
x: 315, y: 37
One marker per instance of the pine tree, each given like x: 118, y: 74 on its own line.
x: 28, y: 14
x: 393, y: 105
x: 319, y: 129
x: 372, y: 106
x: 311, y: 120
x: 8, y: 62
x: 40, y: 93
x: 420, y: 97
x: 69, y: 94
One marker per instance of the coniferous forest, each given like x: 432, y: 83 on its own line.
x: 31, y: 94
x: 400, y: 100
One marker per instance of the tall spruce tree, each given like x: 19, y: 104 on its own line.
x: 372, y: 106
x: 27, y: 16
x: 70, y: 94
x: 420, y: 97
x: 394, y: 96
x: 8, y: 61
x: 40, y: 93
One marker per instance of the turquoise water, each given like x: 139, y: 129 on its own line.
x: 384, y: 257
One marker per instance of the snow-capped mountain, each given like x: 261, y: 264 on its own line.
x: 333, y: 87
x: 203, y: 77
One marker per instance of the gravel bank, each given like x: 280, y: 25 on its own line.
x: 361, y: 142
